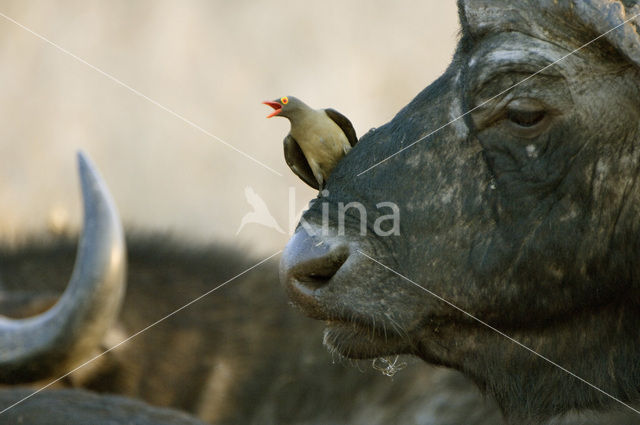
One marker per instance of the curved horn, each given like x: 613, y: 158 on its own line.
x: 58, y: 339
x: 604, y: 15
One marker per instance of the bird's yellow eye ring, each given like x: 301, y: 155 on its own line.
x: 284, y: 100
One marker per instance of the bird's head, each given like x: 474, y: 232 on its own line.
x: 285, y: 106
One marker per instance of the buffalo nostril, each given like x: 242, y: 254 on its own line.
x: 310, y: 261
x: 316, y: 272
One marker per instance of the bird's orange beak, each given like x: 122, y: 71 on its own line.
x: 275, y: 105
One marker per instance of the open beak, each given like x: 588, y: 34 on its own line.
x: 275, y: 105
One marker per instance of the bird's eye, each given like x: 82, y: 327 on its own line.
x: 284, y: 100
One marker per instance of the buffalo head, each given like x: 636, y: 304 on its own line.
x: 523, y: 214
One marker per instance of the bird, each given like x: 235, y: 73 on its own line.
x: 318, y: 140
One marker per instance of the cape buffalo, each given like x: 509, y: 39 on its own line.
x: 516, y: 174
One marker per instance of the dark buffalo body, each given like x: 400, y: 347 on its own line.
x: 78, y: 407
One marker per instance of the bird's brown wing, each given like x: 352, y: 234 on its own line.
x: 296, y: 160
x: 344, y: 124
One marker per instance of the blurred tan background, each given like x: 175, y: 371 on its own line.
x: 212, y: 62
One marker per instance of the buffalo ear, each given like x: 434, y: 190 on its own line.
x: 604, y: 15
x: 298, y: 163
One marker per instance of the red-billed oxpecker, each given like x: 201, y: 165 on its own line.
x: 318, y: 139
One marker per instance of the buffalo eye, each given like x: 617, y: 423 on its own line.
x: 527, y: 117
